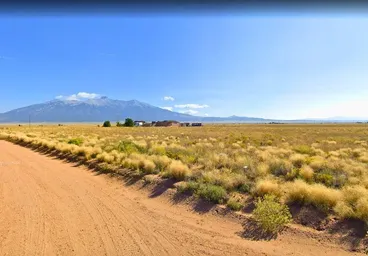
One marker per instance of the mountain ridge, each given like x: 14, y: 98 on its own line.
x: 98, y: 110
x: 104, y: 108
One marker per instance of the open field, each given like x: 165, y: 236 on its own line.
x: 49, y: 207
x: 322, y: 167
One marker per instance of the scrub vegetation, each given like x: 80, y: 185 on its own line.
x: 321, y: 165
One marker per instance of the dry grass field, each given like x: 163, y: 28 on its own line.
x: 324, y: 166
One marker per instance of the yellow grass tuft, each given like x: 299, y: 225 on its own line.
x: 306, y: 172
x: 298, y: 160
x: 267, y: 186
x: 178, y: 170
x: 316, y: 194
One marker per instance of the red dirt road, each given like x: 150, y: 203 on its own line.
x: 48, y: 207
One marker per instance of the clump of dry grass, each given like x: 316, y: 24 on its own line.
x: 105, y: 157
x: 147, y: 166
x: 354, y: 203
x: 267, y: 186
x: 178, y: 170
x: 364, y: 158
x: 315, y: 194
x: 263, y: 169
x: 279, y: 167
x: 317, y: 162
x: 161, y: 162
x: 225, y: 178
x: 298, y: 160
x: 307, y: 173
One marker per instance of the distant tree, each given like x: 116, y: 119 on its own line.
x: 118, y: 124
x: 129, y: 122
x: 106, y: 124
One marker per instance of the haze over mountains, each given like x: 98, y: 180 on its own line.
x: 101, y: 109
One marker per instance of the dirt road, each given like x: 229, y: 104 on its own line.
x: 48, y: 207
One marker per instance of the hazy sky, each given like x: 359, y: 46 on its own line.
x: 262, y: 65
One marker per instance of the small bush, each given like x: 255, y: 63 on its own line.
x: 76, y: 141
x: 245, y: 188
x: 304, y: 149
x: 106, y: 124
x: 130, y: 147
x: 178, y: 170
x: 190, y: 186
x: 316, y: 194
x: 176, y: 152
x: 354, y: 203
x: 298, y: 160
x: 147, y: 166
x: 325, y: 177
x: 317, y: 163
x: 162, y: 162
x: 306, y: 172
x: 331, y: 178
x: 129, y: 122
x: 105, y: 157
x: 262, y: 169
x: 268, y: 186
x: 234, y: 204
x: 270, y: 214
x: 149, y: 179
x: 158, y: 150
x: 212, y: 193
x: 280, y: 167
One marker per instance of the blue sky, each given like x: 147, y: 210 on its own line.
x: 270, y: 65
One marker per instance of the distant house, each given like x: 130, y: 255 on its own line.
x: 166, y: 123
x: 139, y: 123
x: 185, y: 124
x: 196, y: 124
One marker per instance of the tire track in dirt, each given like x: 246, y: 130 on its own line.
x: 48, y: 207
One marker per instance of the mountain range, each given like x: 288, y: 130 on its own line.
x: 101, y: 109
x: 104, y: 108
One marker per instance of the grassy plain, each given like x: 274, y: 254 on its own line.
x: 324, y: 165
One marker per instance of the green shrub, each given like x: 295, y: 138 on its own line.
x: 331, y: 178
x: 245, y: 188
x: 76, y: 141
x: 212, y: 193
x: 190, y: 186
x: 234, y: 204
x: 293, y: 174
x: 270, y: 214
x: 106, y: 124
x: 325, y: 177
x: 130, y: 147
x: 129, y: 122
x: 177, y: 153
x: 280, y: 167
x: 158, y: 150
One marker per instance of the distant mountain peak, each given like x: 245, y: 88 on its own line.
x: 101, y: 109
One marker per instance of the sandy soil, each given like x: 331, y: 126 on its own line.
x: 49, y: 207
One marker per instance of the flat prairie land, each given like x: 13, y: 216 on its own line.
x: 318, y: 170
